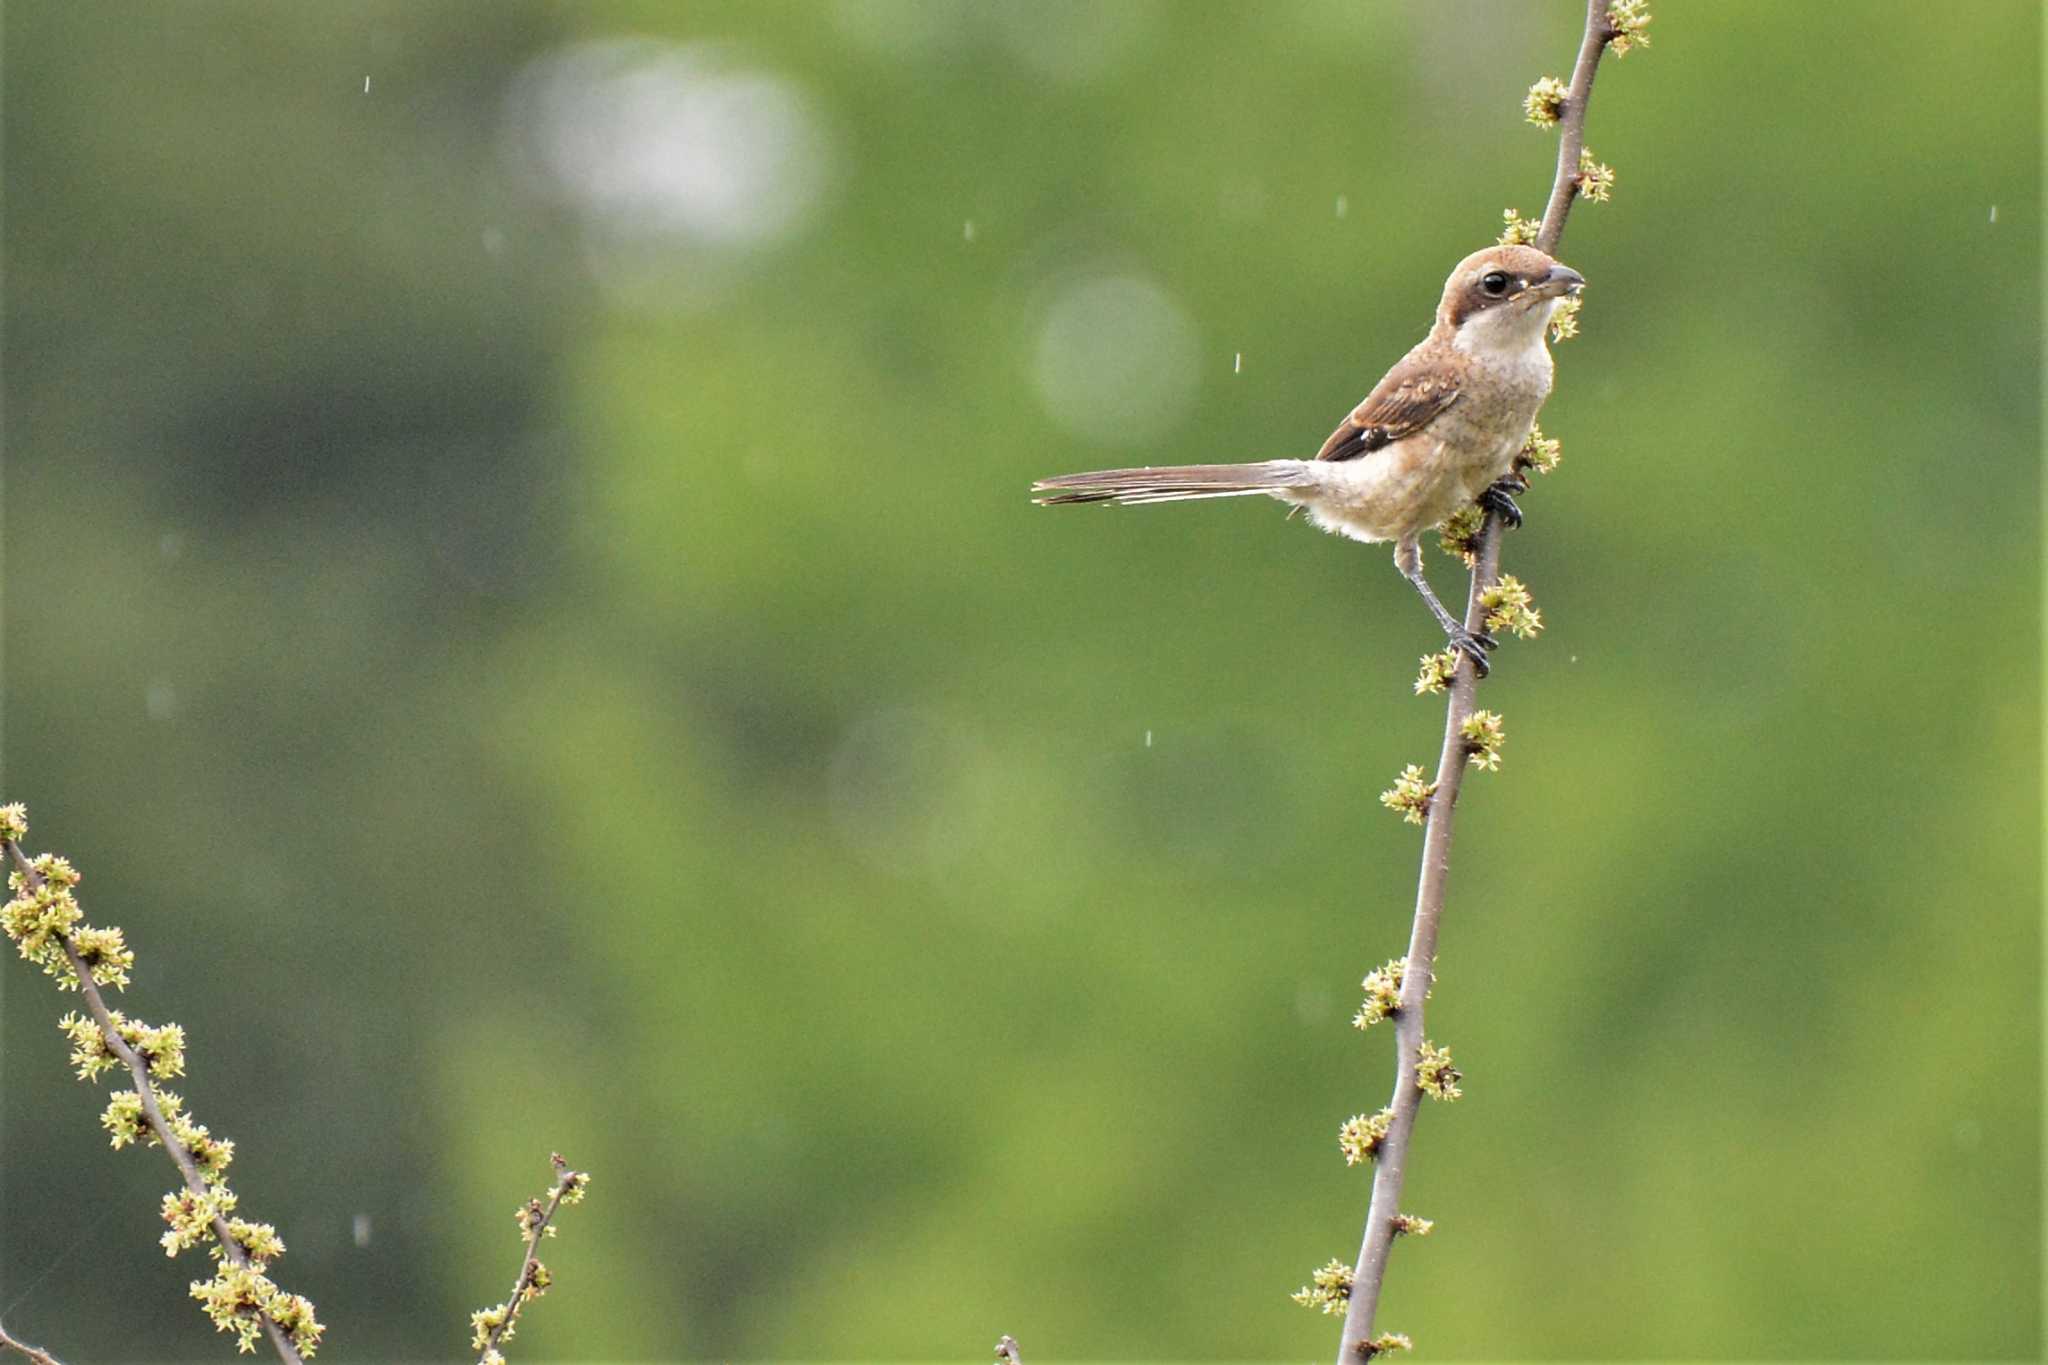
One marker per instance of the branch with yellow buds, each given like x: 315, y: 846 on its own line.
x: 1472, y: 738
x: 492, y: 1327
x: 47, y: 926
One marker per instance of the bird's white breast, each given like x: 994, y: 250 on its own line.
x: 1510, y: 377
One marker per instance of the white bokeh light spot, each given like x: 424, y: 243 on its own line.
x: 680, y: 159
x: 1117, y: 359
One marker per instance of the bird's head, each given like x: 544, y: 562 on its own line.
x: 1501, y: 299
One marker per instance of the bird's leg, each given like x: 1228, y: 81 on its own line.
x: 1499, y: 498
x: 1472, y: 644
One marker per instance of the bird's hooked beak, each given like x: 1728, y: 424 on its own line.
x: 1560, y: 280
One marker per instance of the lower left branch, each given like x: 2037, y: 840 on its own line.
x: 47, y: 926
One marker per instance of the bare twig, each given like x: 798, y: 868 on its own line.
x: 34, y: 1353
x: 494, y: 1325
x: 1391, y: 1162
x: 152, y: 1113
x: 1572, y: 130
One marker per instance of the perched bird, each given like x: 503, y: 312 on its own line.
x: 1440, y: 431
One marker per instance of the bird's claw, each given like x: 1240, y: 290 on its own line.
x: 1499, y: 498
x: 1473, y: 644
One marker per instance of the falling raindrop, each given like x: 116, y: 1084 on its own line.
x: 1237, y: 365
x: 1343, y: 205
x: 967, y: 232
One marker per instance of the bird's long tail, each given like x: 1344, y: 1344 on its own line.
x: 1171, y: 483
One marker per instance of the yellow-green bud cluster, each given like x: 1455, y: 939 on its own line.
x: 1434, y: 1074
x: 239, y: 1297
x: 1382, y: 994
x: 497, y: 1318
x: 1361, y: 1135
x: 258, y: 1241
x: 1484, y: 733
x: 1328, y: 1289
x: 1538, y: 452
x: 1509, y: 607
x: 1626, y: 20
x: 1545, y: 101
x: 191, y: 1216
x: 1436, y: 672
x: 1517, y: 230
x: 126, y: 1122
x: 163, y: 1049
x: 1564, y: 323
x: 1459, y: 533
x: 1410, y: 794
x: 43, y: 917
x: 1408, y: 1225
x: 1596, y: 181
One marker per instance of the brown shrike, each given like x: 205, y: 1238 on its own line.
x: 1440, y: 431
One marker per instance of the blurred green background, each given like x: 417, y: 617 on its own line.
x: 520, y: 597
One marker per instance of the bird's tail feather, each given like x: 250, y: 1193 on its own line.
x: 1169, y: 483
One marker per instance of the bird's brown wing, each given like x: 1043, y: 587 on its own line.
x: 1407, y: 400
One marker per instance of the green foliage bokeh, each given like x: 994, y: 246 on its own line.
x: 534, y: 672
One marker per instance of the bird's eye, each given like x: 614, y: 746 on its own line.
x: 1494, y: 282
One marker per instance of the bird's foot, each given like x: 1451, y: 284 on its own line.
x: 1473, y: 644
x: 1499, y: 498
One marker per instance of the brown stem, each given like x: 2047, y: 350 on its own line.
x: 34, y: 1353
x: 151, y: 1112
x: 1572, y: 125
x: 1390, y: 1166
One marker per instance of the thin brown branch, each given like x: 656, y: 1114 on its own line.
x: 1572, y: 125
x: 152, y: 1113
x: 537, y: 1217
x: 34, y: 1353
x: 1390, y: 1167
